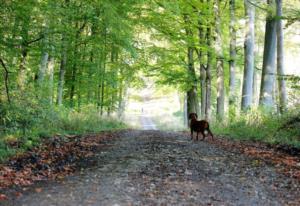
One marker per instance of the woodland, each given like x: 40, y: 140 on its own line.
x: 66, y: 65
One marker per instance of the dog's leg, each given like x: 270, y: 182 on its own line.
x: 203, y: 135
x: 212, y: 136
x: 197, y: 136
x: 191, y: 134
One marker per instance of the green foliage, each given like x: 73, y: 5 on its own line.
x: 86, y: 121
x: 260, y: 125
x: 25, y: 123
x: 97, y: 49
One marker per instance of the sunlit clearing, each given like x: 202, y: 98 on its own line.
x: 152, y: 108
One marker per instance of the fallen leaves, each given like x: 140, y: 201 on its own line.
x: 38, y: 190
x: 56, y: 158
x: 285, y: 163
x: 3, y: 197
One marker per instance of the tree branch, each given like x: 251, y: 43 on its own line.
x: 35, y: 40
x: 253, y: 4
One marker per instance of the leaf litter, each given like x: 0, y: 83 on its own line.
x: 53, y: 159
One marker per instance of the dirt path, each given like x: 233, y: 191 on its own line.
x: 147, y: 123
x: 165, y: 168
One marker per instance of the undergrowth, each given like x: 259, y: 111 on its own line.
x: 259, y: 125
x: 24, y: 124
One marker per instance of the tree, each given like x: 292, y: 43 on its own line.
x: 280, y: 59
x: 248, y: 56
x: 268, y: 69
x: 202, y: 69
x: 192, y: 100
x: 220, y: 63
x: 232, y: 60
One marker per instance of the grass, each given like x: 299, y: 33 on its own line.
x: 58, y: 121
x: 258, y: 125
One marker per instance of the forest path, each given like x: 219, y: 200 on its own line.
x: 147, y: 123
x: 165, y: 168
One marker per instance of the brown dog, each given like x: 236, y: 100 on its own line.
x: 199, y: 126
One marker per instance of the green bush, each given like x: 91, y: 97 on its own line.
x: 263, y: 126
x: 25, y: 122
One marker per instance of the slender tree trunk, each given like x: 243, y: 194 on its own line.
x: 280, y: 59
x: 62, y: 70
x: 247, y: 91
x: 203, y: 90
x: 80, y: 81
x: 120, y: 100
x: 63, y: 64
x: 76, y: 56
x: 79, y: 90
x: 220, y: 64
x: 120, y: 103
x: 232, y: 61
x: 201, y: 36
x: 208, y: 75
x: 185, y: 111
x: 44, y: 61
x: 267, y: 80
x: 73, y: 77
x: 90, y: 80
x: 43, y: 66
x: 102, y: 93
x: 21, y: 79
x: 98, y: 96
x: 22, y: 68
x: 255, y: 88
x: 50, y: 71
x: 103, y: 69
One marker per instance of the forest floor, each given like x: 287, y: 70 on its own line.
x: 148, y: 167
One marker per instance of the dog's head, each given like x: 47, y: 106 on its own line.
x: 193, y: 116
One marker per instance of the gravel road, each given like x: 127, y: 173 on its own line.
x: 164, y: 168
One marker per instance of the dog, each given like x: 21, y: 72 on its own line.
x: 201, y: 126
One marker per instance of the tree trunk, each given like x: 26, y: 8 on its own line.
x: 63, y: 64
x: 90, y: 80
x: 6, y: 80
x: 102, y: 88
x: 62, y: 70
x: 185, y: 111
x: 247, y: 91
x: 192, y: 101
x: 22, y: 69
x: 50, y: 72
x: 232, y: 61
x: 73, y: 77
x: 201, y: 36
x: 21, y: 79
x: 43, y: 66
x: 76, y: 56
x: 80, y: 81
x: 255, y: 89
x: 267, y: 79
x: 280, y: 59
x: 208, y: 75
x: 220, y: 64
x: 121, y: 94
